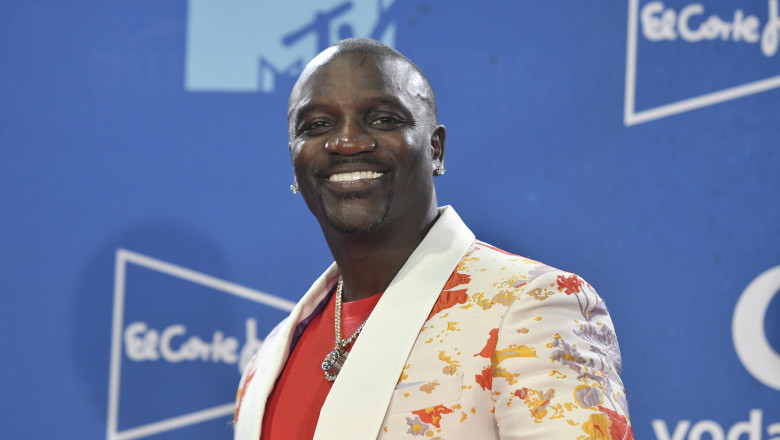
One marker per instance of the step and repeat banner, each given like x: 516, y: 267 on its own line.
x: 149, y: 239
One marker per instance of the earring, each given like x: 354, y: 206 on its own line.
x: 439, y: 171
x: 294, y: 186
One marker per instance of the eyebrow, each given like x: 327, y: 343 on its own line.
x: 382, y: 99
x: 301, y: 111
x: 385, y: 99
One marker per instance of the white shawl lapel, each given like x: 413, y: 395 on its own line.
x: 273, y: 355
x: 356, y: 405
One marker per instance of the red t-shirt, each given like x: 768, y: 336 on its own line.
x: 294, y: 405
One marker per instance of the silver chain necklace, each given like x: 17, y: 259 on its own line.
x: 336, y: 358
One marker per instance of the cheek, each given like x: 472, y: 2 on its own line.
x: 302, y: 157
x: 417, y: 154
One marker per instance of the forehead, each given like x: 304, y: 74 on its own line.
x: 352, y: 76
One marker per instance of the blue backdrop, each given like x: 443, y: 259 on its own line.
x: 149, y: 240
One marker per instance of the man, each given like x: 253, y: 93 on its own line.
x: 417, y: 329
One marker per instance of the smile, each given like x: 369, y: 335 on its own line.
x: 354, y: 176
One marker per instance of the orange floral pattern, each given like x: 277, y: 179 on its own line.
x: 485, y: 379
x: 433, y: 414
x: 449, y: 299
x: 570, y: 284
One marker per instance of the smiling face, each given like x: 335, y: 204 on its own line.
x: 364, y: 141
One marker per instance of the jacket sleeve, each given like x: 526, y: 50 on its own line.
x: 556, y: 365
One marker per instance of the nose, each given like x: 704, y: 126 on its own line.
x: 352, y: 138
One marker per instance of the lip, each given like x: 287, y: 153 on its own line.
x: 367, y: 180
x: 351, y: 167
x: 353, y: 175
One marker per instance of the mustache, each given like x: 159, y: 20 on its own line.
x: 337, y: 162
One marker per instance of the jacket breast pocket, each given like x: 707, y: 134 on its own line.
x: 414, y: 396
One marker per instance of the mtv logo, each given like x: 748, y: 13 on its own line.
x: 246, y: 45
x: 180, y: 339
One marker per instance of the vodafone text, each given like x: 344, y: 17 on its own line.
x: 660, y: 23
x: 172, y: 345
x: 752, y: 428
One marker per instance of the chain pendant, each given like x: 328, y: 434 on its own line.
x: 335, y: 359
x: 333, y: 363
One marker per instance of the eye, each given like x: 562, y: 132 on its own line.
x: 386, y: 122
x: 315, y: 127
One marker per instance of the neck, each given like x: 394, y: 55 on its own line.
x: 368, y: 261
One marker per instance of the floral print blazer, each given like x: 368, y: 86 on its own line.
x: 467, y: 342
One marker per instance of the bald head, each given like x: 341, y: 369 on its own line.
x: 362, y: 51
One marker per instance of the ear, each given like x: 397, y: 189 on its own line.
x: 438, y: 138
x: 289, y: 147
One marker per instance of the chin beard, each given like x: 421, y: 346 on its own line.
x: 351, y: 224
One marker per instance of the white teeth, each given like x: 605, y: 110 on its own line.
x: 357, y: 175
